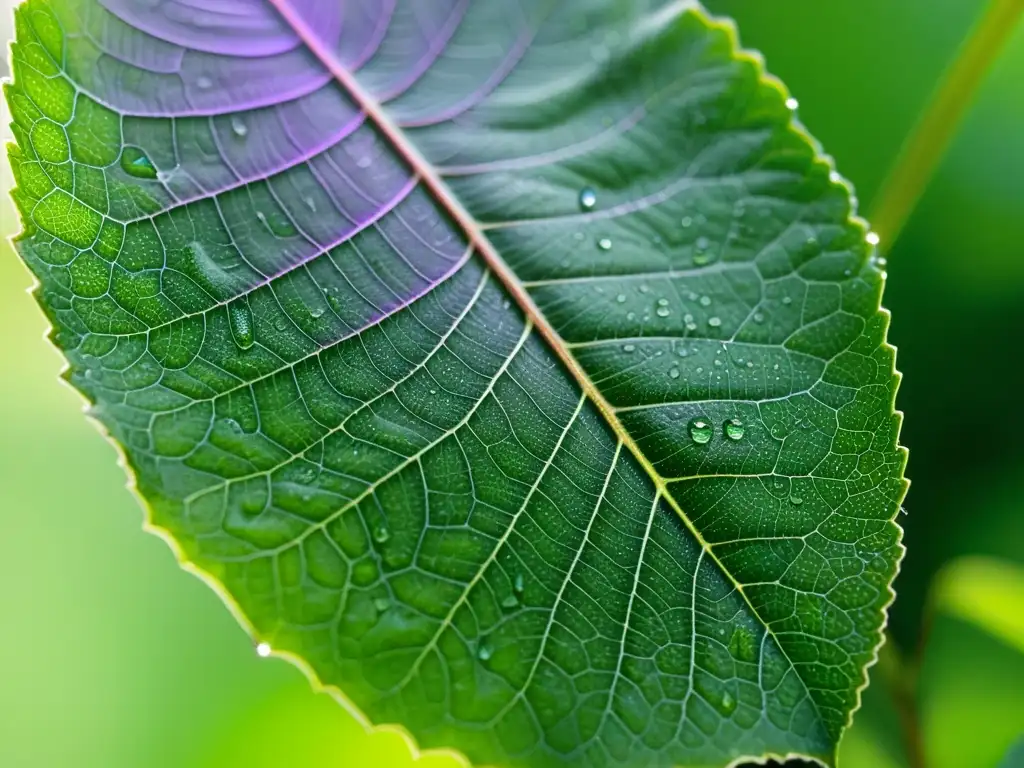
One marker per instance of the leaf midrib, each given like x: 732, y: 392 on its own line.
x: 425, y: 170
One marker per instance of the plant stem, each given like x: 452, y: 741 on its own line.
x: 900, y: 678
x: 929, y: 140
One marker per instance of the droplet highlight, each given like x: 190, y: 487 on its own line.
x: 587, y: 199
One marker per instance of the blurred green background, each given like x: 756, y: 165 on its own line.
x: 114, y: 658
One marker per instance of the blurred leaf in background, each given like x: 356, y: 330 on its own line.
x: 115, y: 659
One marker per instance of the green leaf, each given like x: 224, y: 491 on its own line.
x: 515, y: 368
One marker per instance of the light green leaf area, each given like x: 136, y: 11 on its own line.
x: 547, y: 415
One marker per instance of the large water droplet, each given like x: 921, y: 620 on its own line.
x: 605, y: 244
x: 673, y: 373
x: 705, y: 301
x: 627, y: 348
x: 243, y: 330
x: 588, y: 199
x: 792, y: 104
x: 700, y: 431
x: 621, y: 298
x: 519, y: 584
x: 796, y: 501
x: 663, y: 312
x: 733, y: 429
x: 135, y: 163
x: 263, y: 650
x: 381, y: 534
x: 714, y: 322
x: 239, y: 128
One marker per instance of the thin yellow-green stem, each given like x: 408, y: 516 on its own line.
x: 928, y: 142
x: 899, y: 676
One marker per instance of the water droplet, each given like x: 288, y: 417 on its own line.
x: 872, y: 238
x: 381, y: 534
x: 511, y: 602
x: 792, y: 104
x: 787, y: 300
x: 683, y: 353
x: 316, y: 312
x: 281, y: 324
x: 381, y: 604
x: 728, y: 704
x: 631, y: 316
x: 686, y: 221
x: 484, y: 651
x: 204, y: 82
x: 702, y: 243
x: 263, y: 650
x: 519, y: 584
x: 588, y: 198
x: 135, y: 163
x: 604, y: 244
x: 733, y: 429
x: 674, y: 373
x: 310, y: 203
x: 645, y: 288
x: 705, y: 301
x: 621, y: 298
x: 239, y: 128
x: 364, y: 161
x: 714, y: 322
x: 232, y: 425
x: 700, y: 431
x: 628, y: 347
x: 334, y: 301
x: 796, y: 501
x: 834, y: 177
x: 758, y: 317
x: 663, y: 312
x: 241, y: 322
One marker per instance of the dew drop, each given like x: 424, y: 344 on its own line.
x: 364, y: 161
x: 700, y: 431
x: 787, y: 300
x: 733, y: 429
x: 834, y: 177
x: 605, y: 244
x: 204, y: 82
x: 381, y: 534
x: 674, y: 373
x: 135, y: 163
x: 263, y: 650
x: 621, y: 298
x: 758, y: 317
x: 316, y: 312
x: 872, y: 238
x: 796, y: 501
x: 281, y: 324
x: 381, y: 604
x: 663, y: 312
x: 728, y: 705
x: 628, y: 348
x: 645, y: 288
x: 511, y: 602
x: 484, y: 651
x: 686, y: 221
x: 335, y: 302
x: 741, y: 645
x: 241, y: 322
x: 705, y: 301
x: 587, y: 199
x: 702, y: 243
x: 232, y: 425
x: 714, y: 322
x: 239, y: 128
x: 310, y: 203
x: 792, y: 104
x: 519, y: 584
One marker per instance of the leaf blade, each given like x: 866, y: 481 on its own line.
x: 307, y: 509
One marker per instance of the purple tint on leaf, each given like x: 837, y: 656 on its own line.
x: 244, y: 28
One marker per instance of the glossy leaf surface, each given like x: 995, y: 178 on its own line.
x: 518, y: 366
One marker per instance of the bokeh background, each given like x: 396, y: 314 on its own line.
x: 112, y: 657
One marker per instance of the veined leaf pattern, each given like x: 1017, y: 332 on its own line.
x: 515, y: 365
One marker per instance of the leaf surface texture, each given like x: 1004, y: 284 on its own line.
x: 515, y: 364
